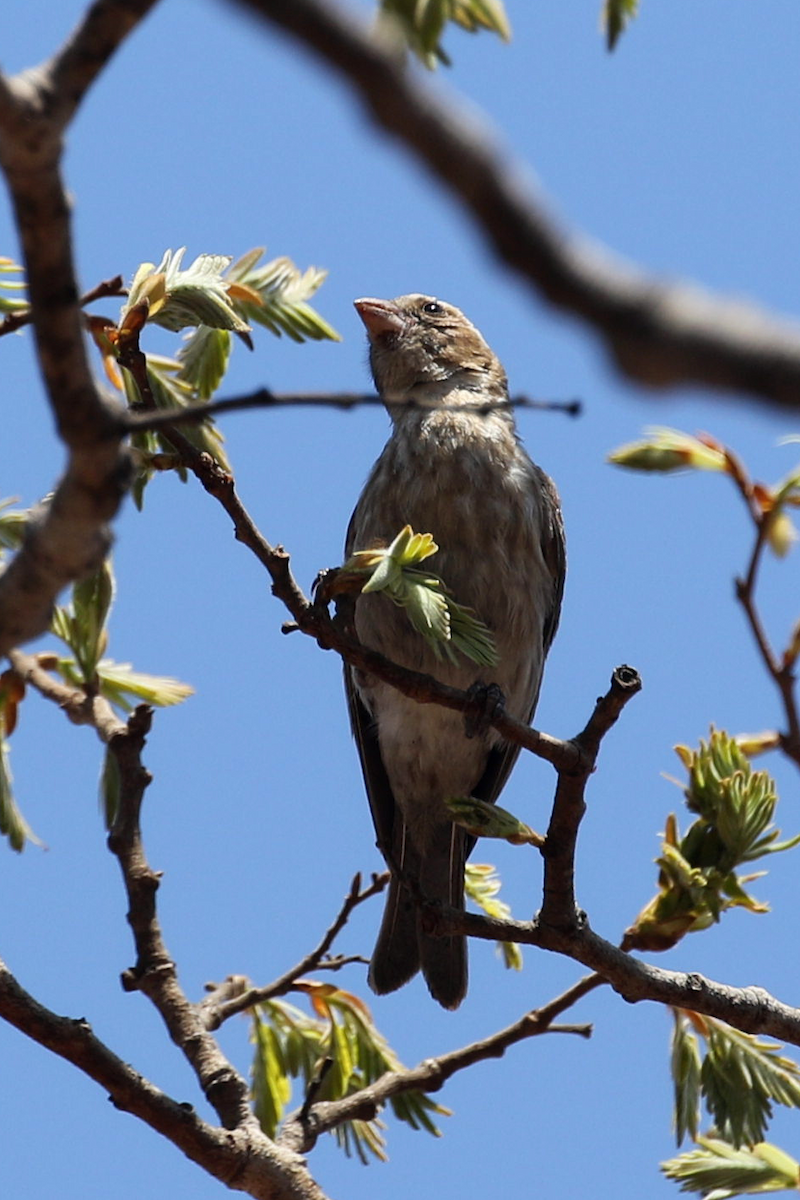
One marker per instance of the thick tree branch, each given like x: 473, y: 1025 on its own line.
x: 558, y: 907
x: 303, y: 1128
x: 69, y: 537
x: 73, y: 69
x: 155, y: 973
x: 660, y: 334
x: 218, y: 1007
x: 751, y: 1009
x: 243, y: 1159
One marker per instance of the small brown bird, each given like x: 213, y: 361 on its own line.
x: 453, y: 467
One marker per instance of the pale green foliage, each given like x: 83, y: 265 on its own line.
x: 82, y: 624
x: 341, y: 1049
x: 420, y: 24
x: 482, y: 819
x: 719, y: 1171
x: 698, y: 879
x: 739, y: 1078
x: 12, y: 823
x: 615, y: 16
x: 9, y: 301
x: 482, y: 886
x: 448, y: 627
x: 12, y: 526
x: 170, y: 388
x: 178, y: 298
x: 203, y: 360
x: 664, y: 449
x: 686, y: 1066
x: 217, y: 297
x: 280, y: 292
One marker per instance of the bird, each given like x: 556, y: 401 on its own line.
x: 453, y: 466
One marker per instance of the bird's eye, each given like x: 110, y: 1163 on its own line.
x: 432, y: 307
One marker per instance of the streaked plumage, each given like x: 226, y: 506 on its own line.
x: 455, y: 469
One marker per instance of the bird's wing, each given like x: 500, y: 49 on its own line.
x: 554, y: 552
x: 379, y: 791
x: 501, y: 760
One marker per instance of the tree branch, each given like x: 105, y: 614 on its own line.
x: 69, y: 74
x: 138, y: 422
x: 69, y: 537
x: 107, y: 287
x: 659, y: 334
x: 302, y: 1129
x: 558, y: 907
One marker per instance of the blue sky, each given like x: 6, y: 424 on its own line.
x: 680, y: 153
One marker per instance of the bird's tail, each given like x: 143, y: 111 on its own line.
x: 403, y: 946
x: 441, y: 877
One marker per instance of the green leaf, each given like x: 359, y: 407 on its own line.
x: 447, y: 626
x: 482, y: 885
x: 719, y: 1171
x: 419, y: 24
x: 665, y: 449
x: 109, y: 788
x: 13, y: 524
x: 204, y: 360
x: 742, y: 1076
x: 686, y: 1065
x: 10, y: 303
x: 344, y: 1033
x: 121, y: 685
x: 616, y: 15
x: 280, y: 292
x: 178, y: 297
x: 12, y: 823
x: 698, y: 877
x: 270, y: 1085
x: 82, y: 623
x: 491, y: 821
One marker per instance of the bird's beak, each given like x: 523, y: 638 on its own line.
x: 380, y: 316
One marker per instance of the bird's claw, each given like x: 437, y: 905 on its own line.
x: 489, y: 701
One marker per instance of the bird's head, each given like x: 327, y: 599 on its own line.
x: 425, y: 350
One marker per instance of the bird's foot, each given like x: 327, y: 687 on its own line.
x: 489, y: 702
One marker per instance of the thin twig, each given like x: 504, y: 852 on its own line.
x: 214, y: 1013
x: 138, y: 422
x: 782, y: 673
x: 661, y: 334
x: 107, y: 287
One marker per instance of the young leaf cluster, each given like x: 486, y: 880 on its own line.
x: 216, y: 298
x: 482, y: 819
x: 10, y: 301
x: 448, y: 627
x: 420, y: 24
x: 717, y: 1170
x: 337, y: 1051
x: 664, y: 450
x: 739, y: 1078
x: 82, y: 625
x: 698, y: 876
x: 482, y: 887
x: 615, y: 17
